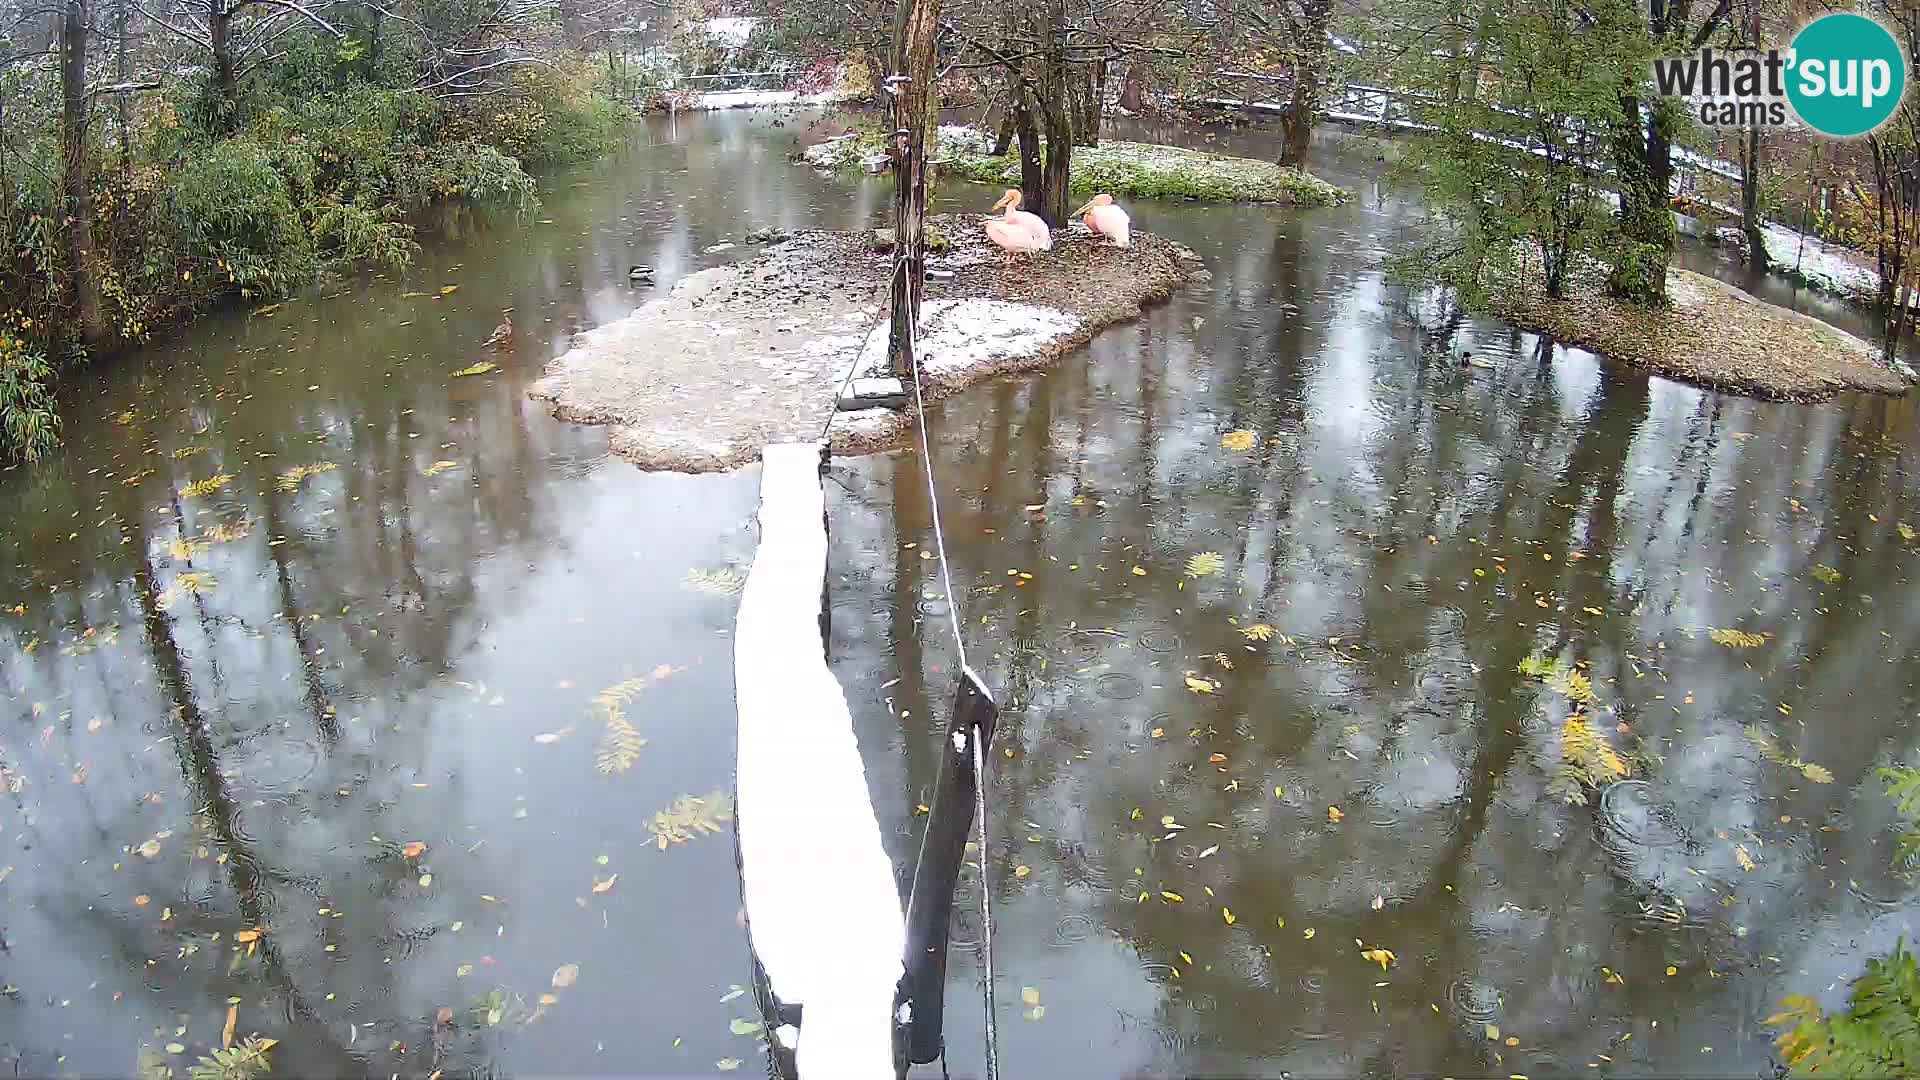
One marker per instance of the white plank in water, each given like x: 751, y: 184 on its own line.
x: 819, y: 891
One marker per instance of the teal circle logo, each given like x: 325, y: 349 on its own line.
x: 1846, y: 75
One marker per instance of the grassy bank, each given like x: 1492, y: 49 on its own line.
x: 315, y: 165
x: 1714, y: 335
x: 1125, y: 169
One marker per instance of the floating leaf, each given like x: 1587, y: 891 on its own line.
x: 1205, y: 564
x: 1819, y: 774
x: 689, y: 816
x: 1906, y: 532
x: 731, y: 994
x: 480, y: 368
x: 1334, y: 814
x: 1258, y: 632
x: 727, y: 1064
x: 439, y: 467
x: 620, y: 742
x: 1237, y: 441
x: 1573, y: 684
x: 724, y: 581
x: 1227, y: 914
x: 1138, y: 572
x: 247, y: 936
x: 186, y: 452
x: 1383, y: 957
x: 1827, y: 574
x: 1172, y: 897
x: 202, y: 488
x: 744, y: 1027
x: 1201, y: 686
x: 1736, y: 639
x: 1589, y: 760
x: 291, y: 478
x: 1022, y: 871
x: 1741, y: 856
x: 243, y: 1062
x: 413, y: 849
x: 603, y: 886
x: 565, y: 975
x: 149, y: 849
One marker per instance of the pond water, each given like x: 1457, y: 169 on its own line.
x: 237, y: 713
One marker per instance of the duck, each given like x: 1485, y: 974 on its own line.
x: 1018, y: 231
x: 1106, y: 219
x: 503, y: 334
x: 640, y: 275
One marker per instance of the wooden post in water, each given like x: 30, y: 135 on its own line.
x: 912, y: 86
x: 942, y: 849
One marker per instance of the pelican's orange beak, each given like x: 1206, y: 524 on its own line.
x: 1004, y: 200
x: 1088, y: 205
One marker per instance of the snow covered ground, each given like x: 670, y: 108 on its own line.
x: 763, y: 99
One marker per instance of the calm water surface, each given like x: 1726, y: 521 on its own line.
x: 240, y: 709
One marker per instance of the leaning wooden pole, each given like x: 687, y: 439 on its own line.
x: 912, y: 87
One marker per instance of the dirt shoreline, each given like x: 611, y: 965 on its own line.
x: 739, y: 356
x: 1715, y: 336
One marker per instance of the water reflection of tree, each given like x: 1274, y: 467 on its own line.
x: 1633, y: 488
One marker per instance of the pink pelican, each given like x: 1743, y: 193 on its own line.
x: 1106, y: 219
x: 1018, y: 231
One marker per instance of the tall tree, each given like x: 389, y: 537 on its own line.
x: 915, y: 102
x: 1642, y: 135
x: 76, y: 177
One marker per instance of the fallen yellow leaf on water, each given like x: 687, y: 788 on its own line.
x: 1030, y: 995
x: 1201, y: 686
x: 245, y: 936
x: 1379, y: 956
x: 439, y: 467
x: 1227, y: 914
x: 1237, y: 440
x: 727, y: 1064
x: 1745, y: 860
x: 1159, y: 732
x: 1022, y: 871
x: 413, y: 849
x: 1334, y: 815
x: 142, y: 900
x: 565, y: 975
x: 1216, y: 759
x: 463, y: 971
x: 1492, y: 1033
x: 449, y: 290
x: 1671, y: 970
x: 549, y: 999
x: 475, y: 369
x: 1137, y: 572
x: 603, y: 886
x: 1172, y: 897
x: 149, y: 849
x: 1307, y: 933
x: 1258, y: 632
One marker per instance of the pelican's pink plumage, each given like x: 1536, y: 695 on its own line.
x: 1018, y: 231
x: 1108, y: 220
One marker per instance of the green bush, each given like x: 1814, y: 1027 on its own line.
x: 231, y: 217
x: 1877, y: 1036
x: 29, y: 425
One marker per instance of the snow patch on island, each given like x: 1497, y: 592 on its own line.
x: 958, y: 336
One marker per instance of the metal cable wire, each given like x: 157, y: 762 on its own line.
x: 979, y: 755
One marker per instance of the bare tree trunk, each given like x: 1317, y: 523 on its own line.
x: 1027, y: 131
x: 1055, y: 119
x: 123, y: 103
x: 1750, y: 222
x: 1312, y: 61
x: 1133, y: 89
x: 76, y: 180
x: 1003, y: 141
x: 225, y: 78
x: 913, y: 59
